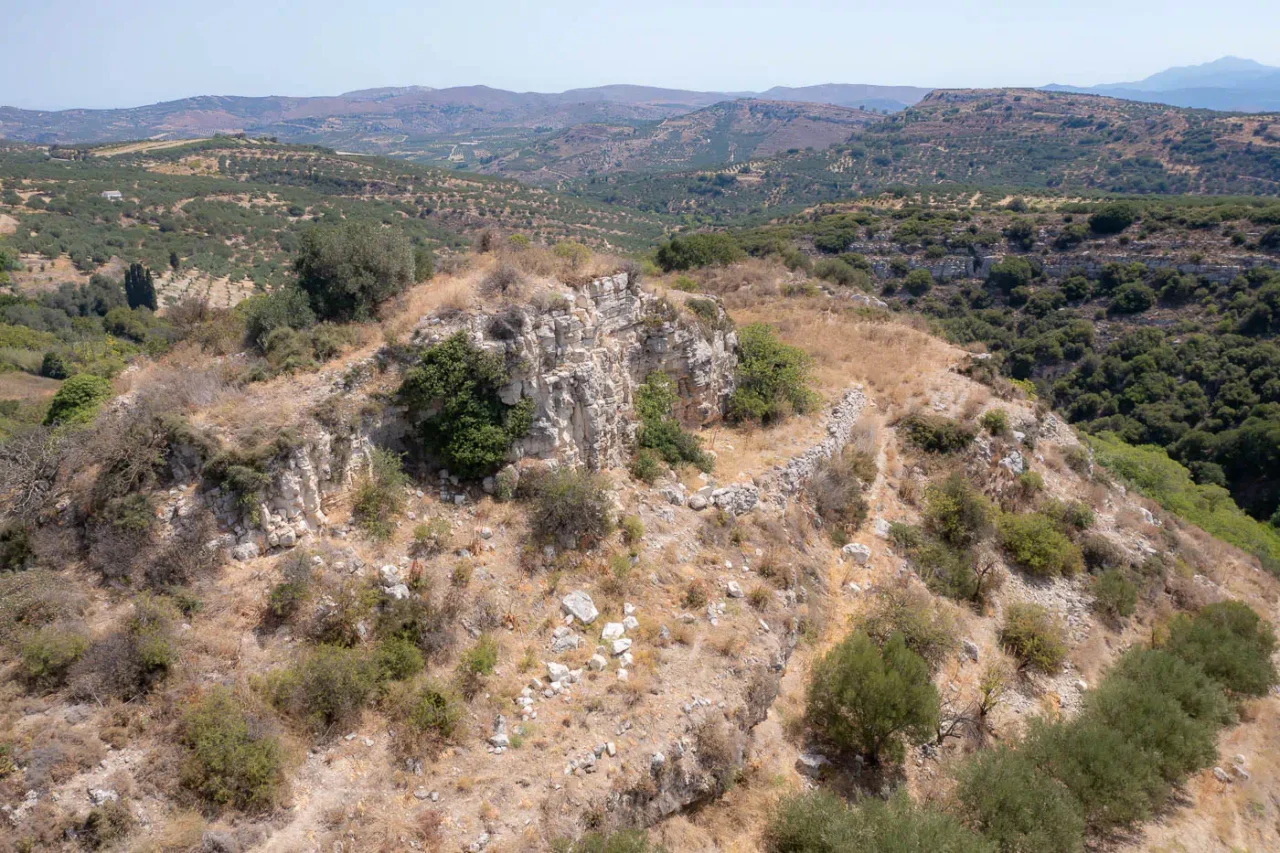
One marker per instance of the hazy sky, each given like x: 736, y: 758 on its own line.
x: 57, y: 54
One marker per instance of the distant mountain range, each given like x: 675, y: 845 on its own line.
x: 1230, y: 83
x: 385, y: 117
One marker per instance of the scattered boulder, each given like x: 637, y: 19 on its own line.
x: 612, y: 631
x: 734, y: 590
x: 579, y: 605
x: 858, y: 552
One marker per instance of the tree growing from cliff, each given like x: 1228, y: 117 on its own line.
x: 453, y: 395
x: 660, y: 430
x: 347, y: 272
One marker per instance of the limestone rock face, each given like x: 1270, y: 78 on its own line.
x: 581, y: 357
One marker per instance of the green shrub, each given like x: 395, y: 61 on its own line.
x: 134, y: 658
x: 918, y: 282
x: 233, y: 757
x: 1034, y: 543
x: 660, y: 431
x: 632, y: 529
x: 773, y: 378
x: 435, y: 710
x: 482, y: 658
x: 380, y: 496
x: 647, y: 466
x: 54, y: 366
x: 1070, y: 516
x: 937, y: 433
x: 1173, y: 718
x: 349, y: 271
x: 995, y: 421
x: 870, y: 700
x: 1017, y: 806
x: 622, y: 841
x: 1133, y: 298
x: 1034, y: 637
x: 1114, y: 781
x: 47, y: 656
x: 819, y: 822
x: 1113, y: 218
x: 397, y: 658
x: 326, y: 688
x: 685, y: 252
x: 1010, y: 272
x: 1114, y: 595
x: 431, y: 537
x: 1100, y: 553
x: 287, y: 597
x: 1231, y: 643
x: 283, y: 308
x: 956, y: 512
x: 452, y: 396
x: 911, y: 613
x: 78, y: 399
x: 571, y: 507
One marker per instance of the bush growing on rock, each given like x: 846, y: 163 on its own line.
x: 773, y: 378
x: 911, y: 613
x: 572, y: 508
x: 435, y: 710
x: 233, y: 757
x: 1034, y: 543
x: 1113, y: 218
x: 452, y: 395
x: 686, y: 252
x: 937, y: 433
x: 131, y: 660
x: 1034, y: 637
x: 870, y: 700
x: 836, y: 491
x: 957, y: 512
x: 1164, y: 706
x: 380, y: 496
x: 1114, y: 595
x: 326, y: 689
x: 1113, y: 781
x: 660, y: 431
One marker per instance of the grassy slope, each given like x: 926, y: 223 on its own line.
x: 1150, y: 470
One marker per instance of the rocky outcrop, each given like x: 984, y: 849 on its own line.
x: 581, y: 353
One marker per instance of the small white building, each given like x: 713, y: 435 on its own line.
x: 112, y: 195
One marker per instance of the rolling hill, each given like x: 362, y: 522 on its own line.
x: 383, y: 119
x: 725, y: 133
x: 983, y: 138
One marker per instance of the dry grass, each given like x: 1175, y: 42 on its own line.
x: 897, y: 361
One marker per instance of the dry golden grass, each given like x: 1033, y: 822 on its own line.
x: 898, y: 363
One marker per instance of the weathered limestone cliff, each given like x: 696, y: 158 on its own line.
x: 581, y: 355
